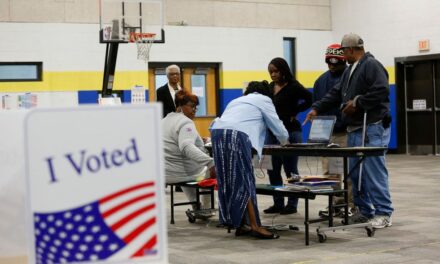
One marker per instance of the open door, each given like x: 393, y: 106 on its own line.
x: 418, y: 87
x: 201, y: 80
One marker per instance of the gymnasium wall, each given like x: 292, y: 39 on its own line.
x: 390, y: 28
x: 73, y: 60
x: 64, y: 36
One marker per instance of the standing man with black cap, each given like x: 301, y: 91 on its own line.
x: 166, y: 93
x: 336, y: 62
x: 364, y: 89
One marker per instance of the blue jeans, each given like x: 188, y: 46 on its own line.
x: 374, y: 197
x: 290, y: 164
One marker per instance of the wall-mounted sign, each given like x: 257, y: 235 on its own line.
x: 424, y: 45
x: 138, y: 95
x: 419, y: 104
x: 95, y: 185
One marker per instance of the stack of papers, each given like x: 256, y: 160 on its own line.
x: 315, y: 183
x: 318, y: 183
x: 302, y: 188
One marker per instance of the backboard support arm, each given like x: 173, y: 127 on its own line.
x: 111, y: 54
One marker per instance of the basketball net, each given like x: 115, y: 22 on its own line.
x: 143, y: 41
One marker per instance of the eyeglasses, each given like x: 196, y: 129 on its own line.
x: 192, y: 105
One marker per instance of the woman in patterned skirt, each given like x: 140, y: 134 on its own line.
x: 242, y: 127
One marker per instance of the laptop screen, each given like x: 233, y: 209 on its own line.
x: 321, y: 129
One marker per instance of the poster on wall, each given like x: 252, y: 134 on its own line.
x: 138, y: 94
x: 198, y: 91
x: 95, y: 185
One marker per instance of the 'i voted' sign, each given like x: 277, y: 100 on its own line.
x: 95, y: 185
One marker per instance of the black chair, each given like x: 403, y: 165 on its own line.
x: 199, y: 191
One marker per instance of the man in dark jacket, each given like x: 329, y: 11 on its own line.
x: 336, y: 62
x: 165, y: 94
x: 364, y: 89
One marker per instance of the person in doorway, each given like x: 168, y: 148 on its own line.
x: 166, y: 93
x: 242, y: 127
x: 186, y: 159
x: 289, y: 98
x: 363, y: 94
x: 335, y: 60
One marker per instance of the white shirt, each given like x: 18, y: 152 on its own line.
x: 173, y: 92
x: 352, y: 68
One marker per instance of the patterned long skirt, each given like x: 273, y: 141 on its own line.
x: 232, y: 151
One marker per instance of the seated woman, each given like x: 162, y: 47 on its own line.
x: 242, y: 127
x: 185, y: 156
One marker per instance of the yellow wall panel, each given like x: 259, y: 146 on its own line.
x: 124, y: 80
x: 308, y: 78
x: 392, y: 74
x: 236, y: 79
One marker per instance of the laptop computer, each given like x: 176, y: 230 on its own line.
x: 320, y: 132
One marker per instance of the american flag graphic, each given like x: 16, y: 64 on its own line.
x: 119, y: 226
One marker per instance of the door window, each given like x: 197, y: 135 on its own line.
x: 198, y: 87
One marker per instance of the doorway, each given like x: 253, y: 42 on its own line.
x: 418, y: 100
x: 202, y: 79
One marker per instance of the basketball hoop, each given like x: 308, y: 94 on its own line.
x: 143, y: 43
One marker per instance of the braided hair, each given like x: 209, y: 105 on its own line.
x: 283, y: 67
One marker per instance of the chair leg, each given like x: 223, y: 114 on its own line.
x: 212, y: 198
x: 172, y: 205
x: 197, y: 198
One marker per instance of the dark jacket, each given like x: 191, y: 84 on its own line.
x: 163, y: 95
x: 290, y: 101
x: 369, y: 80
x: 322, y: 86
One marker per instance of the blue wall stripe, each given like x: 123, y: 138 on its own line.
x: 227, y: 95
x: 126, y: 96
x: 87, y: 97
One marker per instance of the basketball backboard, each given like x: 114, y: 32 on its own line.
x: 119, y: 19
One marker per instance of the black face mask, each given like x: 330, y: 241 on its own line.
x: 334, y: 61
x: 339, y: 70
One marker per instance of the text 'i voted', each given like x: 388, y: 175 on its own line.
x: 85, y: 162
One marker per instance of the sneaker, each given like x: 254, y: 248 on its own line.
x: 288, y: 210
x: 357, y: 218
x: 381, y: 221
x: 272, y: 210
x: 203, y: 214
x: 341, y: 212
x: 325, y: 213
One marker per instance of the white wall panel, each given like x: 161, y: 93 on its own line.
x: 75, y: 47
x: 389, y: 28
x: 240, y: 49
